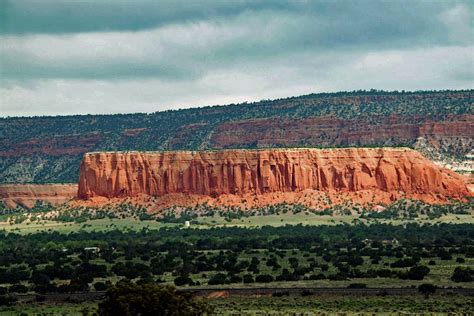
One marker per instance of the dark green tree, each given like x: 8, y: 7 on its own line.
x: 127, y: 298
x: 426, y: 289
x: 461, y: 274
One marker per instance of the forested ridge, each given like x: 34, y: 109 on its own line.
x: 49, y: 148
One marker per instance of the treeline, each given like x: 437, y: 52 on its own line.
x: 81, y: 261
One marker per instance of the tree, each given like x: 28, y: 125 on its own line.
x: 426, y: 289
x: 461, y: 274
x: 182, y: 280
x: 264, y: 278
x: 127, y: 298
x: 355, y: 261
x: 219, y: 278
x: 418, y: 272
x: 248, y: 278
x: 460, y: 260
x: 17, y: 288
x: 7, y: 300
x: 100, y: 286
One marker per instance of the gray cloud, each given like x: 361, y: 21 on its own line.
x: 185, y: 50
x: 64, y: 16
x: 397, y: 69
x: 199, y: 53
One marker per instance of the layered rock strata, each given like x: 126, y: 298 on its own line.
x: 244, y: 172
x: 26, y: 195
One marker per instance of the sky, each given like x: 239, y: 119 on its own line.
x: 113, y: 56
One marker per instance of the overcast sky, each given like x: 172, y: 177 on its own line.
x: 113, y: 56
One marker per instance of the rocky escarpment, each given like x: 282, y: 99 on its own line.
x: 26, y: 195
x: 49, y: 149
x: 331, y: 131
x: 398, y: 172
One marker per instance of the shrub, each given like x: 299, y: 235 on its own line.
x: 418, y: 272
x: 427, y: 289
x: 357, y: 286
x: 319, y: 276
x: 100, y: 286
x: 182, y: 280
x: 235, y: 279
x: 7, y: 300
x: 17, y: 288
x: 306, y: 293
x: 461, y: 274
x: 264, y: 278
x: 127, y: 298
x: 248, y: 278
x: 219, y: 278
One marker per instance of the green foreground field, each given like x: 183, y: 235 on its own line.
x: 324, y: 305
x: 291, y: 305
x: 304, y: 218
x: 142, y: 242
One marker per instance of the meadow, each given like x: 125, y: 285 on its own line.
x: 205, y: 222
x: 288, y: 305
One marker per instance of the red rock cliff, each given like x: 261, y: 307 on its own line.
x: 239, y: 172
x: 26, y: 195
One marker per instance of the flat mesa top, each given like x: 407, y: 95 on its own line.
x: 250, y: 149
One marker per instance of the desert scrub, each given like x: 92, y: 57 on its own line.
x: 296, y: 305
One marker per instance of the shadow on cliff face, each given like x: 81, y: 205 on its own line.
x: 253, y: 178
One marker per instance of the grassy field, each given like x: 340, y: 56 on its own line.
x: 91, y: 225
x: 290, y: 305
x: 70, y: 309
x: 324, y: 305
x: 307, y: 218
x: 304, y: 218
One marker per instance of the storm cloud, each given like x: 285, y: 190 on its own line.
x: 65, y: 57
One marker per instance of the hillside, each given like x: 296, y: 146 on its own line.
x: 49, y: 149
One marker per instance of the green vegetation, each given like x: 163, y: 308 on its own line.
x: 334, y: 304
x: 408, y: 244
x: 203, y: 215
x: 149, y: 299
x: 287, y: 305
x: 378, y: 255
x: 413, y: 209
x: 334, y: 251
x: 29, y: 140
x: 130, y: 217
x: 40, y: 308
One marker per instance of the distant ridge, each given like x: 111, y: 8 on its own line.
x: 49, y: 149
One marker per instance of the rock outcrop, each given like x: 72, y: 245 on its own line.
x: 397, y: 171
x: 469, y: 179
x: 26, y: 195
x: 331, y: 131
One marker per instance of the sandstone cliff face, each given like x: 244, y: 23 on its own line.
x: 243, y: 172
x: 331, y: 131
x: 469, y: 179
x: 26, y: 195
